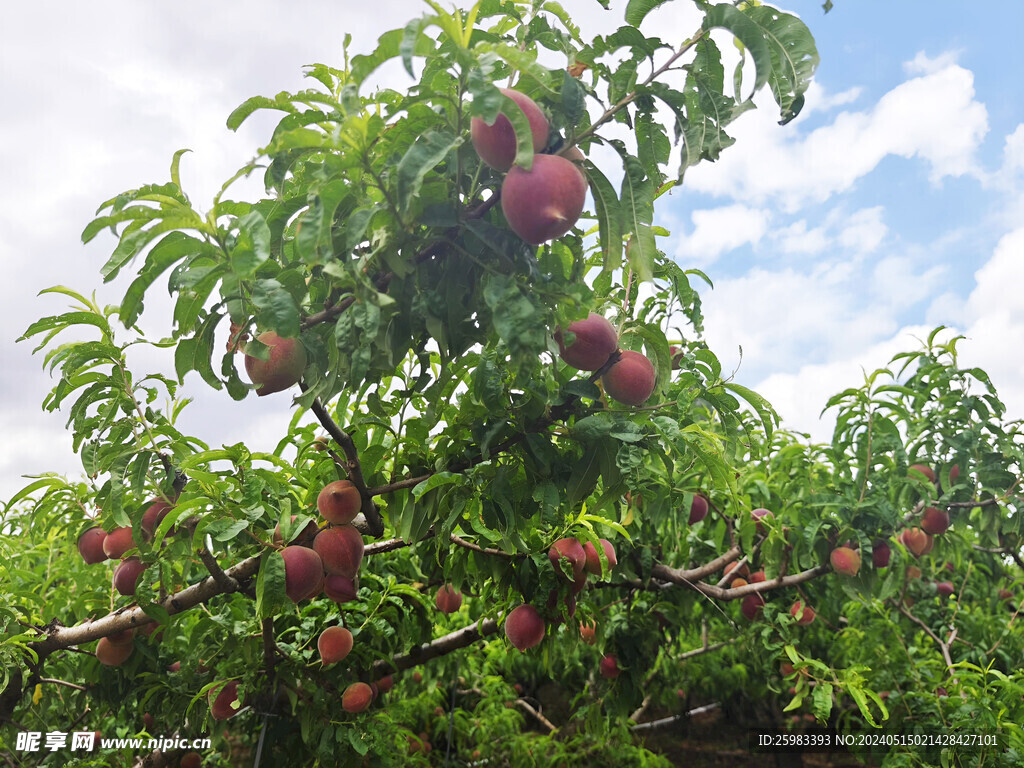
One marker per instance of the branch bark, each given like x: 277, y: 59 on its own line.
x: 453, y: 641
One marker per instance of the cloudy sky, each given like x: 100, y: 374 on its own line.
x: 892, y: 204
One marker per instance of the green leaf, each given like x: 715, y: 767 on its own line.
x: 609, y: 216
x: 637, y: 10
x: 794, y: 57
x: 641, y: 253
x: 252, y: 247
x: 573, y: 98
x: 278, y: 310
x: 423, y: 156
x: 271, y: 597
x: 750, y: 33
x: 171, y: 249
x: 436, y: 481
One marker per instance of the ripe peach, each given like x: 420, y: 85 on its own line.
x: 282, y: 370
x: 155, y: 512
x: 572, y: 551
x: 448, y: 599
x: 543, y: 203
x: 90, y: 545
x: 757, y: 577
x: 595, y: 340
x: 334, y: 645
x: 945, y: 588
x: 913, y: 572
x: 588, y: 632
x: 341, y: 549
x: 111, y: 655
x: 751, y: 606
x: 339, y: 502
x: 191, y: 760
x: 524, y: 627
x: 174, y: 667
x: 356, y: 698
x: 845, y: 561
x: 740, y: 582
x: 303, y: 538
x: 126, y: 575
x: 496, y: 143
x: 117, y: 542
x: 631, y: 379
x: 698, y: 509
x: 934, y: 521
x: 610, y: 667
x: 917, y: 541
x: 954, y: 474
x: 340, y: 589
x: 593, y: 564
x: 760, y: 514
x: 803, y: 614
x: 744, y: 570
x: 880, y: 554
x: 921, y: 471
x: 303, y: 572
x: 221, y: 700
x: 385, y: 684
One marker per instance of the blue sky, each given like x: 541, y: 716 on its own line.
x: 894, y: 203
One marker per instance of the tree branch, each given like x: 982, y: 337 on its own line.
x: 374, y: 522
x: 453, y: 641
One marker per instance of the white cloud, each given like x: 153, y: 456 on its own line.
x: 922, y: 64
x: 934, y: 117
x: 864, y: 230
x: 720, y: 230
x: 798, y: 239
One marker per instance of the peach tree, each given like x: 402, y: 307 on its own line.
x: 513, y: 463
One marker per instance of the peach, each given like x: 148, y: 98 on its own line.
x: 222, y: 700
x: 945, y: 588
x: 117, y: 542
x: 610, y: 667
x: 340, y: 589
x: 845, y: 561
x: 334, y: 645
x: 921, y: 471
x: 880, y: 554
x: 303, y: 572
x: 934, y: 521
x: 282, y: 370
x: 571, y: 550
x: 954, y: 474
x: 757, y: 577
x: 760, y: 514
x: 917, y: 541
x: 698, y: 509
x: 593, y: 564
x: 803, y: 614
x: 594, y: 341
x: 631, y: 379
x: 356, y: 698
x: 157, y: 511
x: 126, y: 575
x: 191, y: 760
x: 90, y: 545
x: 111, y: 655
x: 386, y: 683
x: 751, y: 606
x: 496, y: 143
x: 524, y: 627
x: 543, y: 203
x: 448, y: 599
x: 124, y: 637
x: 339, y: 502
x: 303, y: 538
x: 588, y: 632
x: 341, y: 549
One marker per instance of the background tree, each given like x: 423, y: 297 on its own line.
x: 508, y: 435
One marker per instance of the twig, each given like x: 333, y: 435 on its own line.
x: 537, y: 715
x: 675, y: 718
x: 477, y: 548
x: 62, y: 682
x: 374, y: 522
x: 225, y: 582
